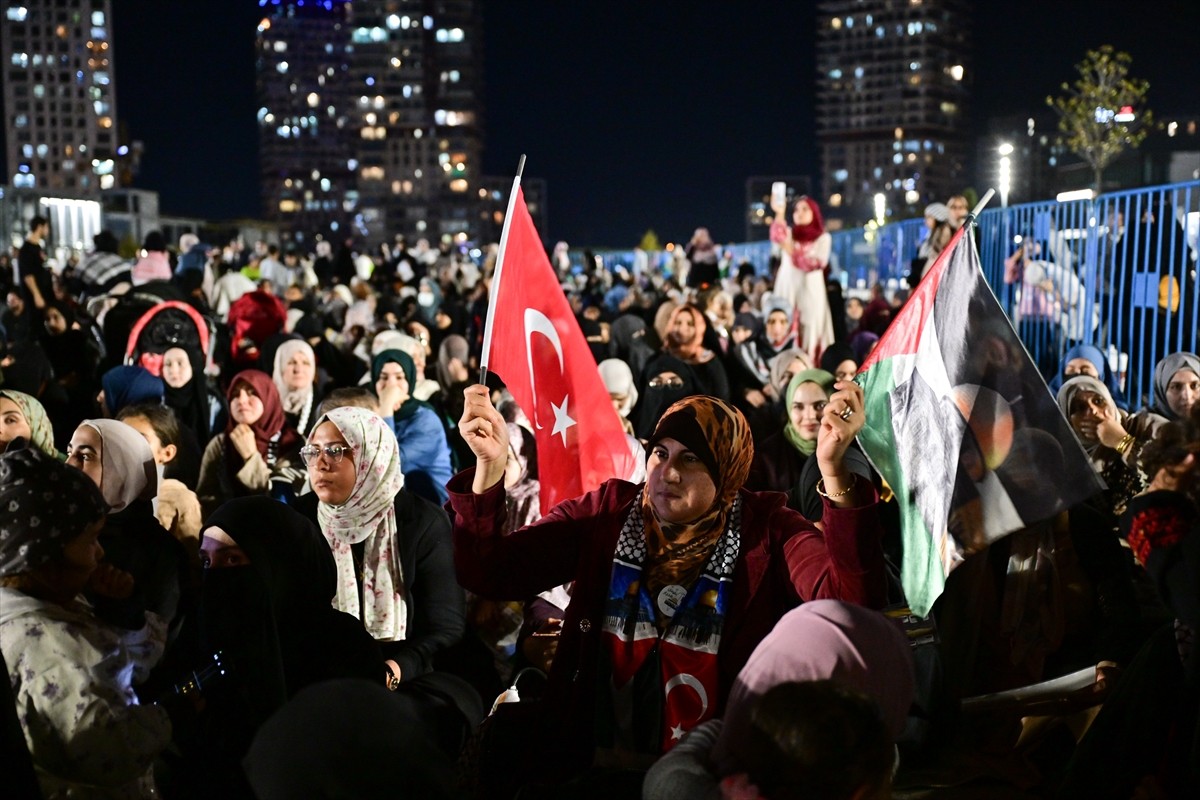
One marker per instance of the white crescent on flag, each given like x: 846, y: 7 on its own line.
x: 537, y: 322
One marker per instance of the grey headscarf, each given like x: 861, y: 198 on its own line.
x: 1164, y: 370
x: 453, y: 346
x: 1085, y: 383
x: 128, y: 469
x: 44, y: 504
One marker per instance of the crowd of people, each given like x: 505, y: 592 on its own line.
x: 262, y: 535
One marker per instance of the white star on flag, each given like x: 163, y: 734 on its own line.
x: 562, y: 420
x: 677, y: 732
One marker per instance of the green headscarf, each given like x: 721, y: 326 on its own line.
x: 409, y: 406
x: 821, y: 378
x: 41, y: 431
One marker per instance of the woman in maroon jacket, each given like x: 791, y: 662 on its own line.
x: 676, y: 581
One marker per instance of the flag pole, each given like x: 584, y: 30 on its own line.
x: 983, y: 201
x: 494, y: 291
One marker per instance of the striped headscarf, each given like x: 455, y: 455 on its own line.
x: 41, y: 431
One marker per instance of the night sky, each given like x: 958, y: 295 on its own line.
x: 638, y: 114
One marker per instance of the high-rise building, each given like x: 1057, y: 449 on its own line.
x: 306, y: 154
x: 370, y: 117
x: 893, y: 80
x: 416, y: 82
x: 60, y: 102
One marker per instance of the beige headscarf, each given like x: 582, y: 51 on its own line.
x: 127, y: 463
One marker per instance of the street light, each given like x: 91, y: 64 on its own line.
x: 1005, y: 151
x: 880, y: 207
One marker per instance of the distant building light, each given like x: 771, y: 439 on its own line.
x: 835, y: 201
x: 17, y: 13
x: 264, y: 25
x: 1126, y: 114
x: 912, y: 197
x: 1172, y: 128
x: 313, y: 99
x: 1078, y: 194
x: 1005, y: 149
x: 956, y: 72
x: 393, y: 21
x: 123, y: 150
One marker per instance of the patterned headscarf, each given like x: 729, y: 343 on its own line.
x: 41, y: 432
x: 128, y: 472
x: 368, y: 515
x: 1163, y: 372
x: 719, y: 436
x: 43, y: 505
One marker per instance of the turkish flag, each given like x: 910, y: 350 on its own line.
x: 540, y: 353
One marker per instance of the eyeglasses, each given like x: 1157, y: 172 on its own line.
x: 673, y: 382
x: 333, y: 453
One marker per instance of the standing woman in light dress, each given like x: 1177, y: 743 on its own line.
x: 801, y: 277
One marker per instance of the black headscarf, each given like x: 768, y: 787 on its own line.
x: 273, y: 617
x: 835, y: 354
x: 655, y: 400
x: 190, y: 401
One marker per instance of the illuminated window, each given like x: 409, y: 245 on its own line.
x: 289, y: 206
x: 17, y: 13
x: 458, y: 185
x: 372, y: 173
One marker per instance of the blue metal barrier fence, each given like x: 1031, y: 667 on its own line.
x: 1118, y: 271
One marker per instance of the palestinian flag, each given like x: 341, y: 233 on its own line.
x: 962, y: 427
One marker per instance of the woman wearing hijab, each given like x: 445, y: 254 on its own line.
x: 801, y: 278
x: 424, y: 450
x: 666, y: 381
x: 295, y: 375
x: 257, y: 453
x: 783, y: 462
x: 618, y: 381
x: 685, y: 341
x: 22, y: 417
x: 186, y: 391
x: 840, y: 361
x: 265, y: 605
x: 1176, y: 385
x: 1084, y: 359
x: 391, y: 548
x: 819, y: 641
x: 72, y: 675
x: 688, y: 562
x: 1112, y: 438
x: 119, y: 461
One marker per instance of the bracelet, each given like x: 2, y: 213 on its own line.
x: 1123, y: 446
x: 842, y: 493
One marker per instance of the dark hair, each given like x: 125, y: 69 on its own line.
x: 817, y: 740
x: 359, y: 396
x: 161, y: 418
x: 1171, y: 445
x: 37, y: 222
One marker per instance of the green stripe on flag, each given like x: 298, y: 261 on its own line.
x: 921, y: 572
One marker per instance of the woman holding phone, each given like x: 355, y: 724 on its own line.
x: 801, y: 278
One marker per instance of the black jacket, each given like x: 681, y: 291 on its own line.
x: 435, y: 601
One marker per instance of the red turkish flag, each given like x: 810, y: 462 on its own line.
x: 540, y: 353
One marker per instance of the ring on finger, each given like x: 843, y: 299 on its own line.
x: 847, y: 412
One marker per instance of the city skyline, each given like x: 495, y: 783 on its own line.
x: 638, y: 117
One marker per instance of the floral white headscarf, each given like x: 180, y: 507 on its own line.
x: 368, y: 515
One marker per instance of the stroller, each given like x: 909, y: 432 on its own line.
x: 166, y: 325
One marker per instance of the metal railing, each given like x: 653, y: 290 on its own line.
x: 1118, y: 271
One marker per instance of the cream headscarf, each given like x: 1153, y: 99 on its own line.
x: 128, y: 471
x: 295, y: 401
x: 369, y: 515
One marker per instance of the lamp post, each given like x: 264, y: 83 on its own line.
x: 1005, y: 151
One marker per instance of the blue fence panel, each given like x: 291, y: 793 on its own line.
x: 1118, y: 272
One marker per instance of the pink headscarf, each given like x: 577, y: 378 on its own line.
x: 823, y: 640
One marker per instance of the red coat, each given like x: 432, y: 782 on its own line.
x: 784, y: 561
